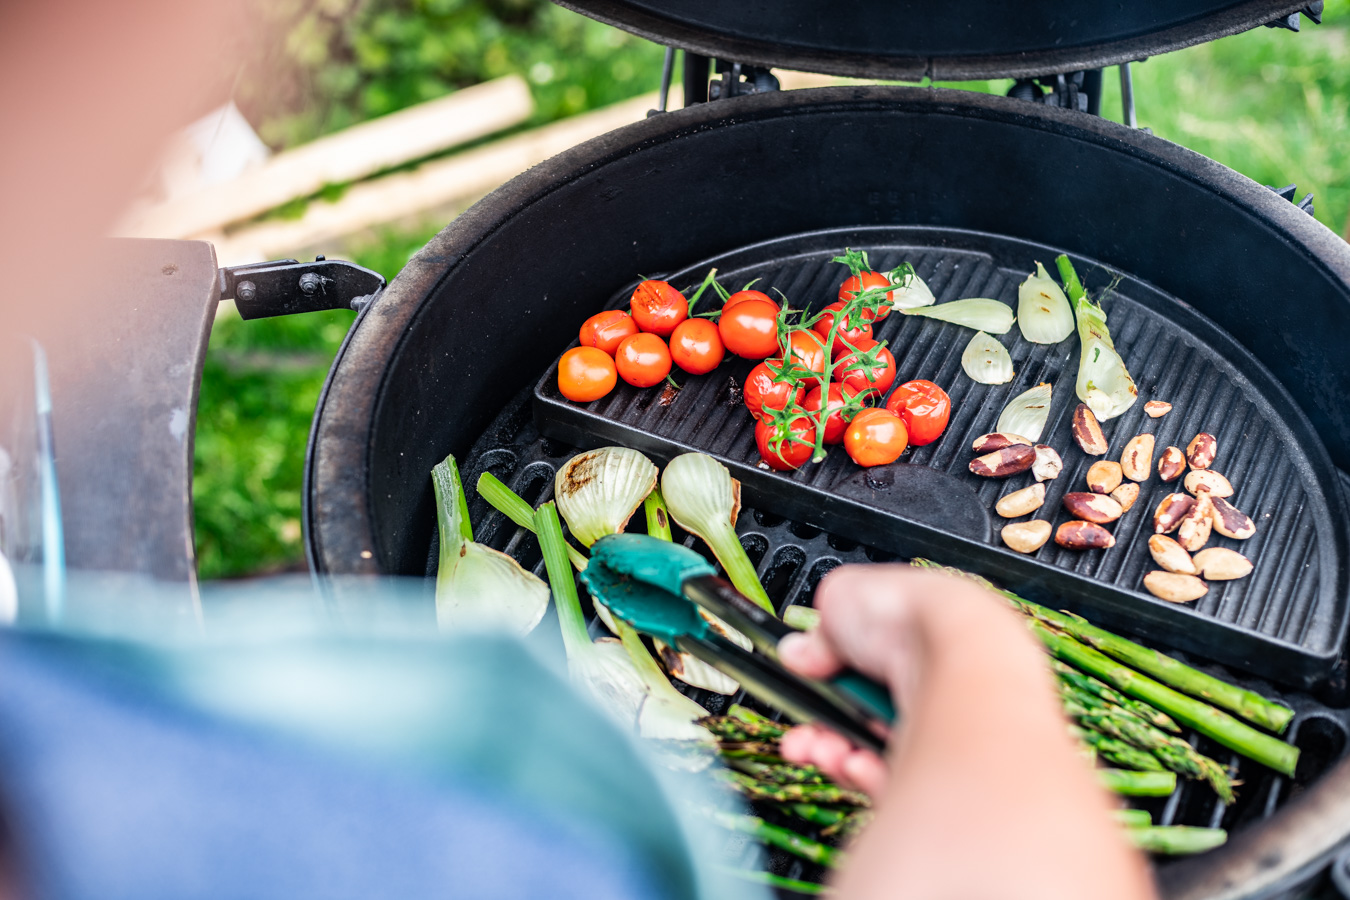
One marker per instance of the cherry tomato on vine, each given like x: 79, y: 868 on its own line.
x: 853, y: 284
x: 658, y: 307
x: 806, y: 350
x: 605, y: 330
x: 742, y: 296
x: 925, y: 408
x: 835, y: 423
x: 787, y: 445
x: 875, y: 437
x: 642, y: 360
x: 696, y: 346
x: 851, y: 335
x: 877, y: 378
x: 586, y: 374
x: 761, y: 392
x: 750, y: 328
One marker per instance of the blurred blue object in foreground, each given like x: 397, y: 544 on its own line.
x: 336, y: 760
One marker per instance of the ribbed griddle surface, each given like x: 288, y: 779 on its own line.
x: 1284, y: 622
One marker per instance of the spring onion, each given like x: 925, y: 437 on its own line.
x: 911, y: 293
x: 704, y: 499
x: 599, y: 490
x: 610, y: 671
x: 979, y: 313
x: 477, y: 586
x: 1104, y: 383
x: 987, y: 361
x: 1027, y: 413
x: 1043, y: 312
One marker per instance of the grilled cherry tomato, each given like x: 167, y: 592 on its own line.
x: 643, y: 360
x: 806, y: 350
x: 696, y: 346
x: 853, y: 284
x: 877, y: 378
x: 835, y: 423
x: 586, y: 374
x: 851, y: 335
x: 762, y: 392
x: 797, y: 443
x: 605, y: 330
x: 658, y: 307
x: 925, y: 408
x: 750, y: 328
x: 875, y: 437
x: 742, y: 296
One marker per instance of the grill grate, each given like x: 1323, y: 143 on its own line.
x: 1284, y: 622
x: 792, y: 557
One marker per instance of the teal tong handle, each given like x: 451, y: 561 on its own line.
x: 871, y: 698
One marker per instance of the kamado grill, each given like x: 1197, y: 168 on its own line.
x: 1230, y: 302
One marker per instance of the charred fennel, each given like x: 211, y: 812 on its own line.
x: 1104, y: 383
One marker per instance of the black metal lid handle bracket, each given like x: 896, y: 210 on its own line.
x: 283, y: 287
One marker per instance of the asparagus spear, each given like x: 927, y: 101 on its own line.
x: 1071, y: 676
x: 851, y: 824
x: 1176, y: 840
x: 780, y: 837
x: 1202, y: 717
x: 1138, y: 784
x: 778, y: 773
x: 830, y: 794
x: 1172, y: 672
x: 1134, y: 818
x: 816, y: 815
x: 763, y: 726
x: 1117, y: 751
x: 810, y: 888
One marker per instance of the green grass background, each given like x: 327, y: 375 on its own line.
x: 1271, y: 104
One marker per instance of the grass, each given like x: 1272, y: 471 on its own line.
x: 1271, y: 104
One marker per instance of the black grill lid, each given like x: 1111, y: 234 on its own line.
x: 912, y: 39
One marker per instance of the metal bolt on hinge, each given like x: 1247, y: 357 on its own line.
x: 245, y: 290
x: 310, y: 283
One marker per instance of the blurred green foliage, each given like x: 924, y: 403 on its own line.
x: 1268, y: 103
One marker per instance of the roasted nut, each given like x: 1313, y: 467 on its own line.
x: 1048, y: 465
x: 1222, y: 564
x: 1202, y: 449
x: 1026, y: 537
x: 1097, y: 508
x: 1194, y: 530
x: 1087, y: 431
x: 1175, y: 588
x: 1170, y: 512
x: 1136, y: 460
x: 1019, y: 503
x: 1198, y: 480
x: 1170, y: 555
x: 1230, y: 521
x: 1080, y: 535
x: 1155, y: 408
x: 1125, y: 495
x: 1002, y: 463
x: 1103, y: 476
x: 1171, y: 464
x: 997, y: 440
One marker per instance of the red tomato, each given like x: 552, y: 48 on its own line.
x: 878, y: 378
x: 750, y: 329
x: 605, y: 330
x: 875, y: 437
x: 742, y: 296
x: 696, y: 346
x: 658, y: 307
x: 643, y: 360
x: 798, y: 439
x: 851, y: 335
x: 762, y: 392
x: 806, y: 350
x: 835, y: 423
x: 851, y: 286
x: 586, y: 374
x: 925, y: 408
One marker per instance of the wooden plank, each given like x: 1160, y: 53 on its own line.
x: 440, y: 183
x: 349, y: 155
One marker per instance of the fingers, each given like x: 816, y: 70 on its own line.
x: 852, y: 768
x: 809, y: 653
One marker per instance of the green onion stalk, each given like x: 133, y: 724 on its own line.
x: 1171, y: 672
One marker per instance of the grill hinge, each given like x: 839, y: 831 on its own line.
x: 283, y: 287
x: 1290, y: 191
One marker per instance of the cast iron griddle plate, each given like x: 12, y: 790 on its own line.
x: 1284, y: 622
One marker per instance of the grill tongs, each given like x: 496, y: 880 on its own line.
x: 654, y: 585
